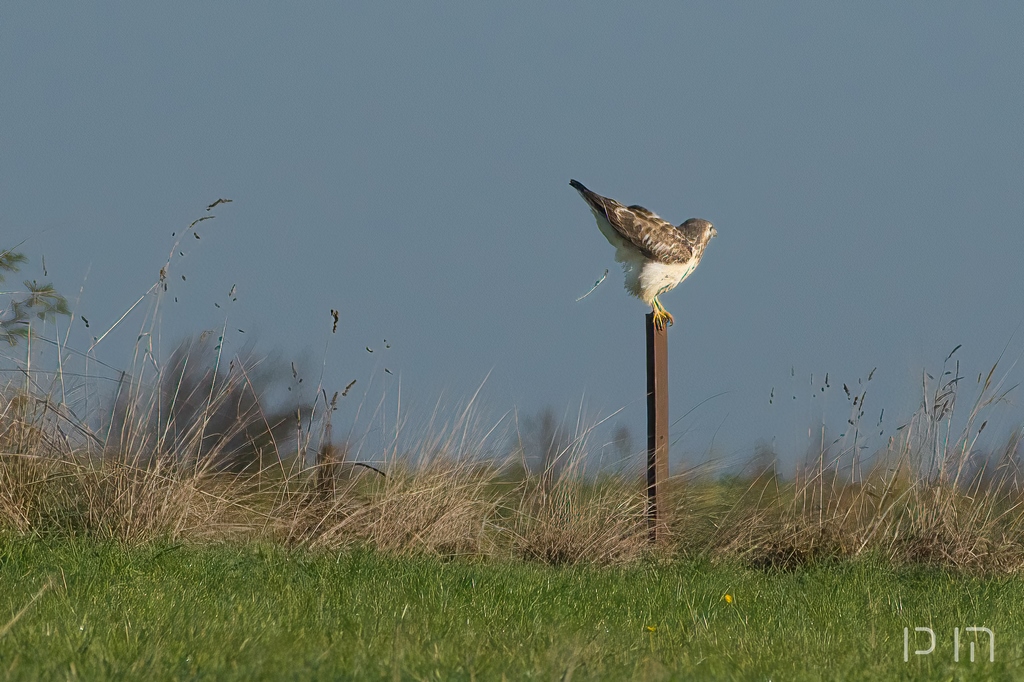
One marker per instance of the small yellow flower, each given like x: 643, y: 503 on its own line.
x: 727, y: 598
x: 652, y: 628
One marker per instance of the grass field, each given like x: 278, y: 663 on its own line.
x: 86, y: 610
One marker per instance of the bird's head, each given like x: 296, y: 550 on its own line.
x: 700, y: 228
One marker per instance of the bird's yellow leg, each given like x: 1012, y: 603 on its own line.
x: 662, y: 317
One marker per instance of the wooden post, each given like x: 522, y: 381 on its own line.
x: 657, y: 427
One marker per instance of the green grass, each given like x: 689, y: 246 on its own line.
x: 261, y: 612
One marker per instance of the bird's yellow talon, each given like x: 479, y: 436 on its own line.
x: 662, y: 319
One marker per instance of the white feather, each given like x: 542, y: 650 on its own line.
x: 657, y: 278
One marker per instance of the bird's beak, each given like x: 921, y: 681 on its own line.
x: 714, y: 232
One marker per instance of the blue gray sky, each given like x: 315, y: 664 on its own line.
x: 408, y: 163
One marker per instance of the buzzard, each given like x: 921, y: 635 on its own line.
x: 655, y: 255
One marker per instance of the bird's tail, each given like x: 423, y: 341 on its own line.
x: 593, y: 199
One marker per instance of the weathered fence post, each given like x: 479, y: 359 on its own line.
x: 657, y: 427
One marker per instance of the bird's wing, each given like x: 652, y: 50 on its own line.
x: 654, y: 237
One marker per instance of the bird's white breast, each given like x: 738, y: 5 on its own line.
x: 656, y: 278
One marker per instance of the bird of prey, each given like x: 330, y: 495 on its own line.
x: 655, y: 255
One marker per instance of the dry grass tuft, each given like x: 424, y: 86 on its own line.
x: 929, y: 497
x: 573, y: 520
x: 443, y: 506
